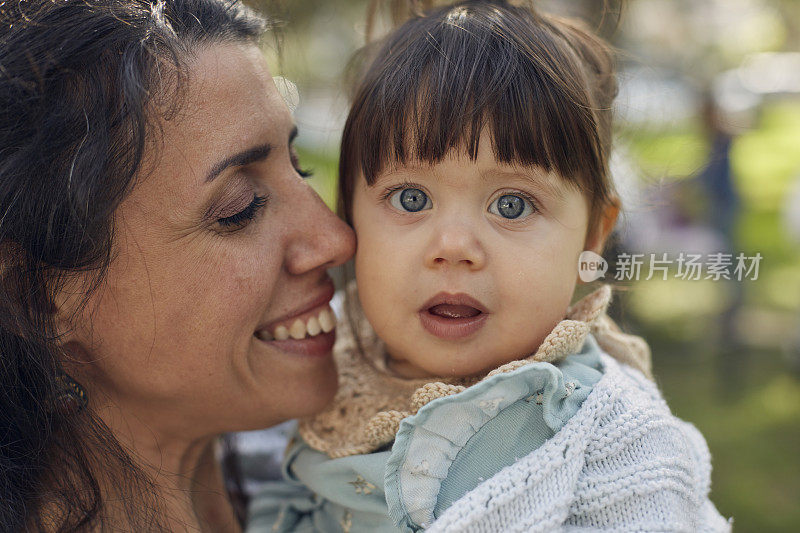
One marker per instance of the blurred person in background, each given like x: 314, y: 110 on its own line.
x: 717, y: 175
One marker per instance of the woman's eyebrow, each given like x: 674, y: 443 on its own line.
x: 246, y: 157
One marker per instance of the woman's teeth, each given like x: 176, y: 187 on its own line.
x: 312, y: 326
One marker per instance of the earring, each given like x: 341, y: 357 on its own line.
x: 70, y: 396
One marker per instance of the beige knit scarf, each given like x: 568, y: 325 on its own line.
x: 366, y: 412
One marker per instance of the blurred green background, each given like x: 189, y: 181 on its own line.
x: 692, y: 73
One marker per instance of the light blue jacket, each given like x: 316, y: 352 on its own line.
x: 439, y: 454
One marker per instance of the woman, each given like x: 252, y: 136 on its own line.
x: 155, y: 237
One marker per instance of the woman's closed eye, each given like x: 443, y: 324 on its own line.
x: 513, y: 206
x: 305, y: 173
x: 243, y: 217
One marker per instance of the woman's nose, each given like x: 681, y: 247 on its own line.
x: 454, y: 245
x: 319, y: 239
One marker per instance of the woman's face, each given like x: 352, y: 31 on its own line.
x: 216, y: 248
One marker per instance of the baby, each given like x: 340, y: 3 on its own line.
x: 472, y: 395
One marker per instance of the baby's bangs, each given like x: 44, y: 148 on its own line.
x: 439, y: 83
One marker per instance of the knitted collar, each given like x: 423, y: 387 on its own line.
x: 366, y: 412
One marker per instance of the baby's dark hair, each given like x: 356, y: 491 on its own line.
x: 542, y: 85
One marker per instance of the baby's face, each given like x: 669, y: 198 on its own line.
x: 466, y: 265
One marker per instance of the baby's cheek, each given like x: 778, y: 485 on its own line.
x: 523, y: 330
x: 532, y: 306
x: 367, y: 271
x: 375, y: 292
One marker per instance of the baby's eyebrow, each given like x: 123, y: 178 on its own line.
x: 550, y: 183
x: 408, y: 168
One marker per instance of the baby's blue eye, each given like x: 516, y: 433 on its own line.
x: 411, y: 200
x: 511, y: 206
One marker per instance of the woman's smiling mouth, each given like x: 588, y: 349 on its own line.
x: 310, y: 325
x: 309, y: 332
x: 452, y: 316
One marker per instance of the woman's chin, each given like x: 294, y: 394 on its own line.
x: 277, y: 403
x: 316, y: 394
x: 312, y: 391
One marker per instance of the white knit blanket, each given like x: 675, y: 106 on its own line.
x: 622, y: 463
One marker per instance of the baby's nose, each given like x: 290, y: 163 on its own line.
x: 455, y: 245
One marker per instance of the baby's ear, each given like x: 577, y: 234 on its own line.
x: 597, y: 235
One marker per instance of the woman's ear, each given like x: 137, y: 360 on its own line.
x: 72, y: 319
x: 74, y: 357
x: 67, y: 303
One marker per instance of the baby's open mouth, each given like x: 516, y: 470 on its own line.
x: 453, y: 316
x: 448, y: 305
x: 454, y: 311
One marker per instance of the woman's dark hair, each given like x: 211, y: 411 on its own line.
x: 83, y: 84
x: 542, y: 85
